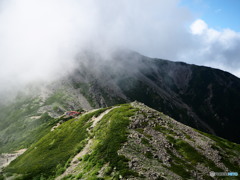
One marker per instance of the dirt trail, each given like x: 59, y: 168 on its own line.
x: 95, y: 120
x: 35, y: 117
x: 54, y: 127
x: 6, y: 158
x: 75, y: 161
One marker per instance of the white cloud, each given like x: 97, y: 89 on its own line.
x: 215, y: 48
x: 198, y: 27
x: 39, y: 39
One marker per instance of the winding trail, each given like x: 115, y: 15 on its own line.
x: 95, y: 120
x: 75, y: 161
x: 6, y: 158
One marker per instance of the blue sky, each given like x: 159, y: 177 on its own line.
x: 218, y: 14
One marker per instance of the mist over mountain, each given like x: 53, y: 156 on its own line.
x: 41, y: 38
x: 201, y: 97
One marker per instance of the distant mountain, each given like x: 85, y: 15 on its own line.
x: 129, y: 141
x: 204, y: 98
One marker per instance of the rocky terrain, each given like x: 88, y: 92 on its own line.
x: 129, y: 141
x: 168, y: 148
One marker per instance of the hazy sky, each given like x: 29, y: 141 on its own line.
x: 40, y: 38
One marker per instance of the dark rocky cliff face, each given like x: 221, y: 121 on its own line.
x: 204, y: 98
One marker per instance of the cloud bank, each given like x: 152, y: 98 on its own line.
x: 215, y: 48
x: 39, y: 39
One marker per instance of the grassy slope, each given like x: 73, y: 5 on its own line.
x: 17, y: 129
x: 110, y: 133
x: 49, y: 155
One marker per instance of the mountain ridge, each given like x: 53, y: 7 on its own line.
x: 124, y: 142
x: 202, y: 97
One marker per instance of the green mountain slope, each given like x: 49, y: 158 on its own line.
x: 125, y: 141
x: 31, y: 114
